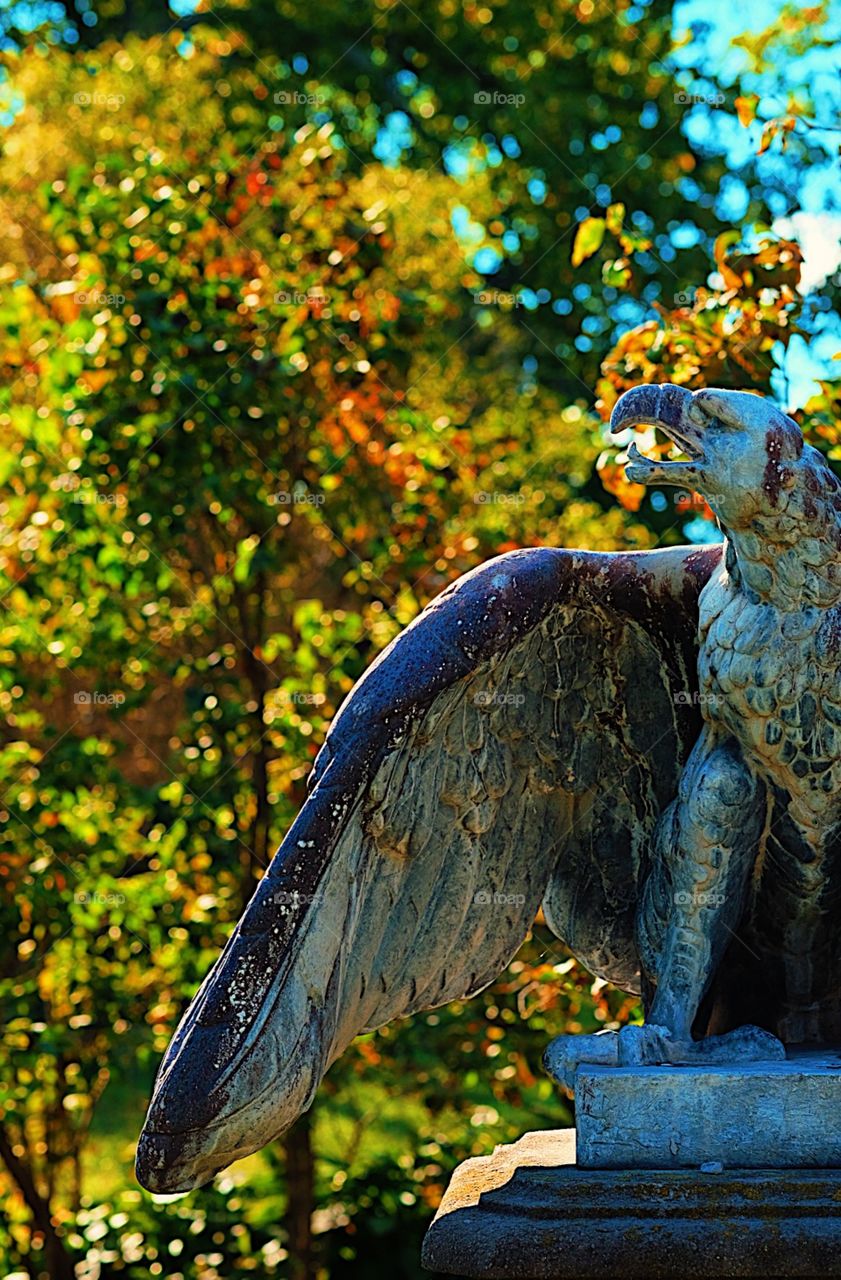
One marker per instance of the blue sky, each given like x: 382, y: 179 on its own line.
x: 807, y: 205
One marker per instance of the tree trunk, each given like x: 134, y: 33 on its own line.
x: 59, y: 1262
x: 300, y: 1186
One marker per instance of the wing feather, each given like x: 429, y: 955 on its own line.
x: 512, y: 746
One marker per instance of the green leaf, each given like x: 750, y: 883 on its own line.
x: 616, y: 273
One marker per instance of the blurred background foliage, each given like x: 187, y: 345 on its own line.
x: 304, y: 311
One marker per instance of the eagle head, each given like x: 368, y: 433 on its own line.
x: 746, y: 457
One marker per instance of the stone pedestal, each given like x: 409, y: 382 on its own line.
x: 769, y: 1115
x: 528, y: 1213
x: 681, y: 1171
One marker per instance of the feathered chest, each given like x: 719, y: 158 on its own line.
x: 770, y: 677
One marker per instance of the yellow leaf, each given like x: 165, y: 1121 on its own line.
x: 614, y: 218
x: 588, y: 239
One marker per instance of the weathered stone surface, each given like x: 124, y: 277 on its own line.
x: 774, y: 1115
x: 527, y: 1213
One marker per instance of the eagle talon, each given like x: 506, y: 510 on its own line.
x: 649, y: 1045
x: 565, y: 1054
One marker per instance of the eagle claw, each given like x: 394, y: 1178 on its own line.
x: 652, y: 1045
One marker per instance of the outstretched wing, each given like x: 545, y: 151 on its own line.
x: 514, y: 744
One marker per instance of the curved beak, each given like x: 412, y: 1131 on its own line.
x: 666, y: 406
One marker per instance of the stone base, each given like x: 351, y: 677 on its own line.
x: 755, y: 1115
x: 528, y: 1213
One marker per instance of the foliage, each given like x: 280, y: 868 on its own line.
x: 272, y: 380
x: 564, y: 110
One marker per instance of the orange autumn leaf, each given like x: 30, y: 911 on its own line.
x: 746, y: 105
x: 64, y: 307
x: 94, y: 379
x: 612, y: 476
x: 357, y: 430
x: 723, y: 242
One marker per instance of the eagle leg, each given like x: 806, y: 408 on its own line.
x: 692, y: 902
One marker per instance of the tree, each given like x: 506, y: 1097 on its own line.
x: 238, y: 465
x: 562, y: 111
x: 278, y: 368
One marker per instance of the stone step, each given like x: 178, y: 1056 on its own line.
x: 528, y: 1213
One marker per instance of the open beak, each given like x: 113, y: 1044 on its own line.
x: 671, y: 409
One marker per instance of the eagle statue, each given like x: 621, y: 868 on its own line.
x: 646, y: 744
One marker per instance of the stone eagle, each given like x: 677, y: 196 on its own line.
x: 647, y: 745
